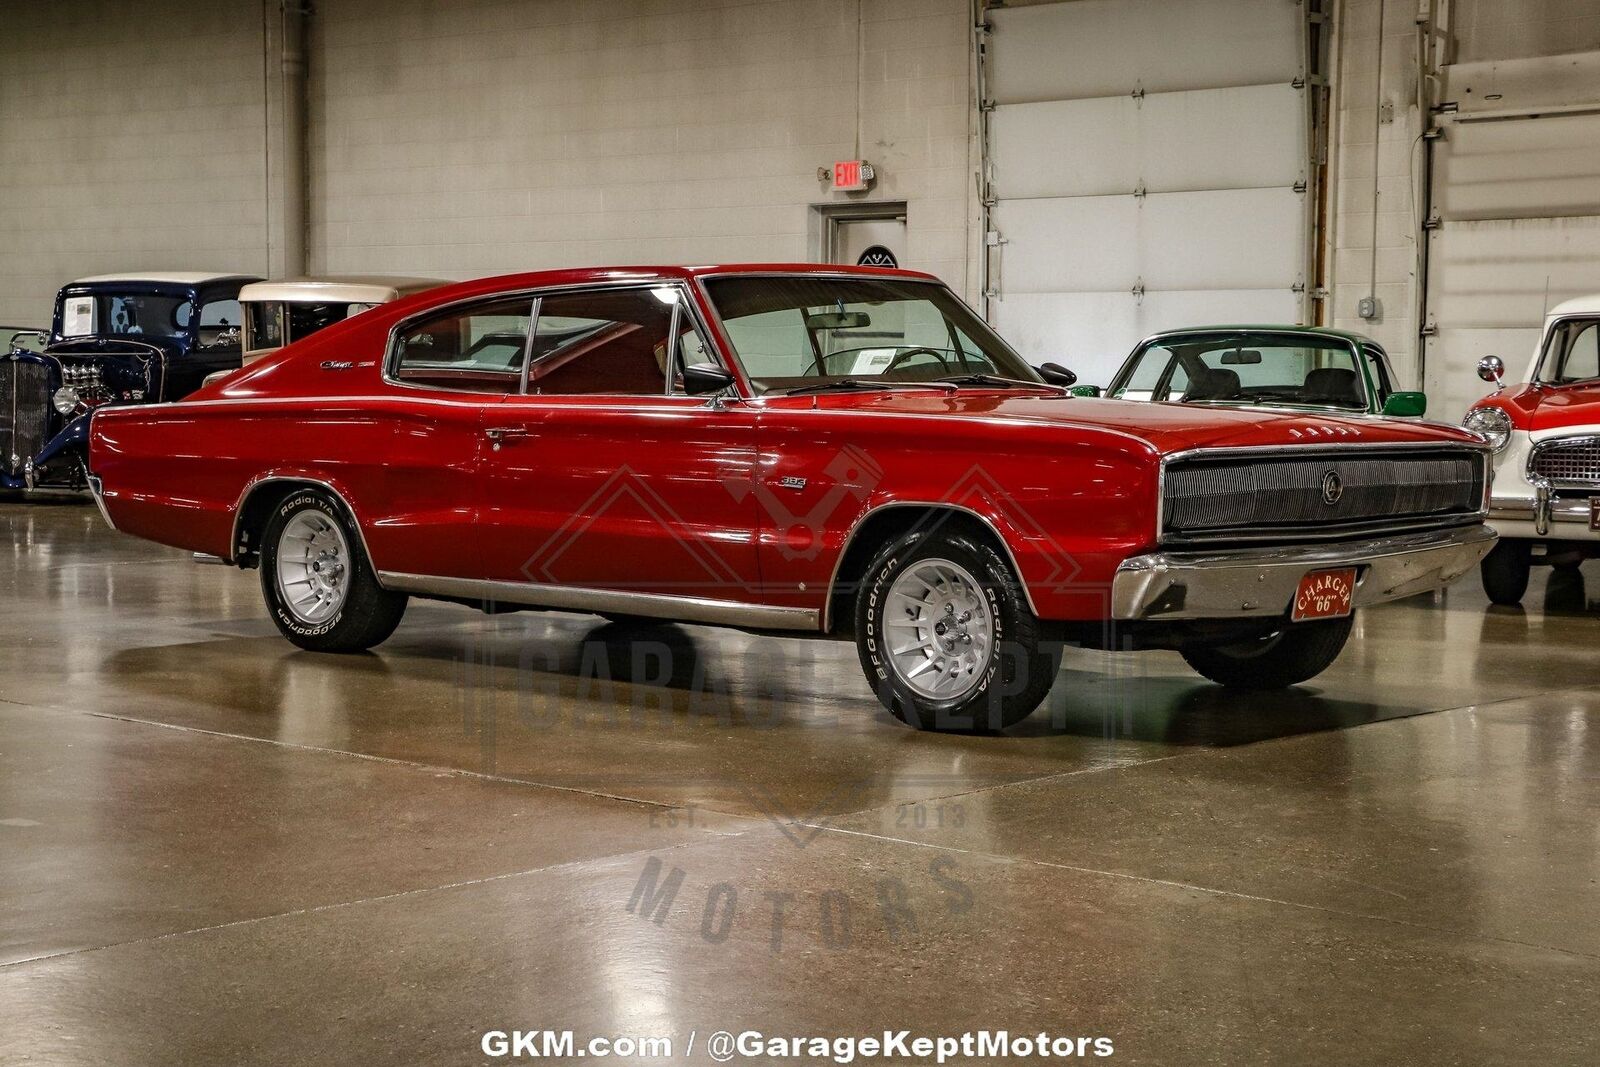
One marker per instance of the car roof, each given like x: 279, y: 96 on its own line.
x: 173, y: 277
x: 663, y: 273
x: 1310, y: 331
x: 340, y: 288
x: 1582, y: 305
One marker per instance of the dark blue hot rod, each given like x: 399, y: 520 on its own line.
x: 115, y: 339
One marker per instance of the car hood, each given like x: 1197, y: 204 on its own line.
x: 1552, y: 407
x: 1165, y: 427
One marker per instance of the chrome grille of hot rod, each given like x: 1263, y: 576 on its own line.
x: 24, y: 411
x: 1299, y: 494
x: 1572, y: 462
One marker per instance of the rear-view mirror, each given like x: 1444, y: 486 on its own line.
x: 1241, y: 357
x: 1056, y: 374
x: 838, y: 320
x: 703, y: 378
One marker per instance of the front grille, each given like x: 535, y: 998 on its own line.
x: 24, y: 411
x: 1278, y: 495
x: 1572, y: 462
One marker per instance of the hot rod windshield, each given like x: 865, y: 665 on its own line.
x: 128, y: 314
x: 794, y: 332
x: 1247, y: 369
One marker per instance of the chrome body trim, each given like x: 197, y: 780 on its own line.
x: 97, y: 490
x: 575, y: 598
x: 855, y: 527
x: 1261, y: 582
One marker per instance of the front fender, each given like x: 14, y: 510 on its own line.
x: 72, y: 438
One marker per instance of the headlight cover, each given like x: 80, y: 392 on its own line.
x: 1491, y: 424
x: 65, y: 400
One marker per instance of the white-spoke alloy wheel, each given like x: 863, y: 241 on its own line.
x: 940, y: 629
x: 313, y: 567
x: 946, y: 635
x: 317, y: 580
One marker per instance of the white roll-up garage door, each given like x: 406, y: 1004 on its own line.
x: 1516, y: 215
x: 1147, y: 162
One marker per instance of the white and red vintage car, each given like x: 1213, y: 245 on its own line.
x: 1546, y: 435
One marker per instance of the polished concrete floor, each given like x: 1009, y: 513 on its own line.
x: 215, y: 849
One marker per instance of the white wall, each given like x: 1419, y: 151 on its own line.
x: 1378, y: 165
x: 503, y: 135
x: 1374, y: 160
x: 477, y: 136
x: 130, y: 138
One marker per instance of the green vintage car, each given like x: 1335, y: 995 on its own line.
x: 1304, y: 368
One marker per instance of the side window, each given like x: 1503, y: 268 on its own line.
x: 219, y: 323
x: 263, y: 326
x: 1380, y: 373
x: 1147, y: 373
x: 608, y: 342
x: 1581, y: 360
x: 479, y: 349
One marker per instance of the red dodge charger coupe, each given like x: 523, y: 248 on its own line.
x: 797, y: 448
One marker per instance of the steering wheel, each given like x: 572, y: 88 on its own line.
x: 899, y: 358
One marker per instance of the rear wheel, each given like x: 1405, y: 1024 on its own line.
x: 946, y: 637
x: 1505, y: 571
x: 318, y: 583
x: 1297, y: 653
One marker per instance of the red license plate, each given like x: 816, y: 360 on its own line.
x: 1324, y: 595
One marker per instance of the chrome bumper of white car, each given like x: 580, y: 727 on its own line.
x: 1545, y: 515
x: 1261, y: 582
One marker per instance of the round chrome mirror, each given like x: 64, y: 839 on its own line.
x: 1491, y: 369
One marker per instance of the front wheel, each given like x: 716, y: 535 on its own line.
x: 317, y: 581
x: 1297, y: 653
x: 946, y: 637
x: 1505, y: 571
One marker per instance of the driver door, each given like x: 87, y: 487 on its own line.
x: 603, y: 474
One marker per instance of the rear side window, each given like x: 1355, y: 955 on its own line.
x: 477, y: 349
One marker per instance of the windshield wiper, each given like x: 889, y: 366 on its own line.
x: 846, y: 384
x: 996, y: 379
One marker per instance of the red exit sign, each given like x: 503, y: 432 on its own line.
x: 851, y: 175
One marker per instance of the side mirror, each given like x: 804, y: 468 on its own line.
x: 704, y: 378
x: 1085, y: 390
x: 1056, y: 374
x: 1492, y: 369
x: 1406, y: 405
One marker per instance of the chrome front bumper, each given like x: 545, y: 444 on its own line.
x: 97, y: 490
x: 1545, y: 515
x: 1261, y: 582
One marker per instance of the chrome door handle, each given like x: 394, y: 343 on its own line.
x: 499, y: 435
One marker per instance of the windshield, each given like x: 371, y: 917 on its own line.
x: 799, y: 332
x: 1236, y: 370
x: 125, y: 314
x: 1572, y: 352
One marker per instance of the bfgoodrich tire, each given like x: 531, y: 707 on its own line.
x: 946, y: 638
x: 1297, y: 653
x: 1505, y: 571
x: 317, y: 581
